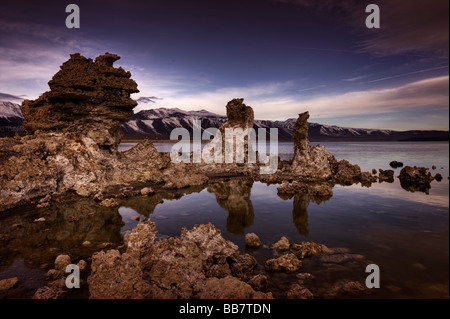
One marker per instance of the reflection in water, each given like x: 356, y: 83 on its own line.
x: 145, y: 205
x: 416, y: 187
x: 300, y: 211
x: 66, y: 226
x: 234, y: 196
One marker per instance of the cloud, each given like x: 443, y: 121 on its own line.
x: 271, y: 101
x: 32, y: 53
x: 10, y: 97
x: 147, y: 99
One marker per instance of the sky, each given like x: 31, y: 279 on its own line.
x: 283, y: 57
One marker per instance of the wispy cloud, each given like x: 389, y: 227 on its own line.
x: 271, y: 101
x: 32, y: 53
x: 409, y: 73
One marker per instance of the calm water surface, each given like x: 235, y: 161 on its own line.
x: 404, y: 233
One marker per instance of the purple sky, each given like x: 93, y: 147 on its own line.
x: 282, y: 56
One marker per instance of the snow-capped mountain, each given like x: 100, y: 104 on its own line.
x: 158, y: 123
x: 11, y: 118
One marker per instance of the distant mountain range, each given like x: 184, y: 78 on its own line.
x: 159, y: 122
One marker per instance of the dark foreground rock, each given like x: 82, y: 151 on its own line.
x: 415, y: 179
x: 172, y: 268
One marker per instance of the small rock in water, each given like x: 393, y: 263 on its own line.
x: 433, y: 167
x: 395, y: 164
x: 42, y: 219
x: 9, y: 283
x: 86, y: 243
x: 287, y: 263
x: 147, y: 191
x: 438, y: 177
x: 252, y: 240
x: 282, y: 244
x: 135, y: 218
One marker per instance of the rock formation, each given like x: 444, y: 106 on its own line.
x: 87, y: 97
x: 73, y: 137
x: 314, y: 162
x: 415, y: 179
x: 199, y: 263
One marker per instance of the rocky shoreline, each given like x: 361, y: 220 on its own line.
x: 71, y: 150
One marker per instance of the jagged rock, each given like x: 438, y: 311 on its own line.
x: 287, y: 263
x: 252, y: 240
x: 415, y: 178
x: 297, y: 291
x: 75, y: 130
x: 313, y: 162
x: 9, y: 283
x: 438, y: 177
x: 308, y: 249
x: 242, y: 266
x: 180, y: 267
x: 86, y: 97
x: 282, y: 244
x: 347, y: 173
x: 386, y: 175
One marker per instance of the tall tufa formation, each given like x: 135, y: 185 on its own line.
x: 86, y: 97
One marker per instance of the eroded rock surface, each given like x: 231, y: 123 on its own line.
x: 415, y: 179
x: 73, y: 136
x: 177, y: 267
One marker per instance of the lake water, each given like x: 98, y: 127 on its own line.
x: 406, y: 234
